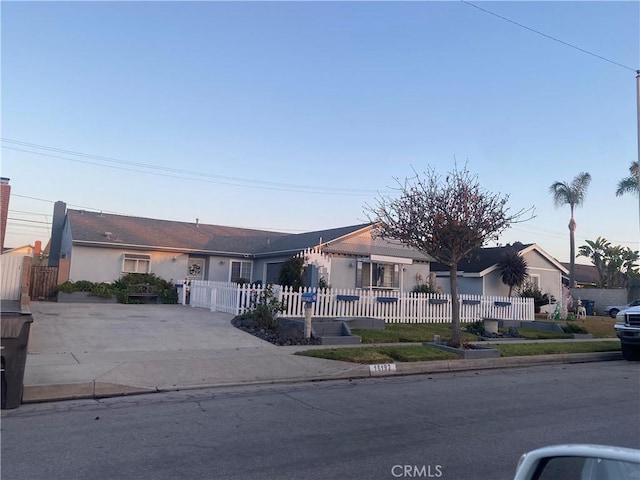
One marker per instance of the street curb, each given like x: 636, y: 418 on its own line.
x: 96, y: 390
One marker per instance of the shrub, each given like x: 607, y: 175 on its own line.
x: 539, y: 299
x: 164, y: 289
x: 66, y: 287
x: 104, y: 290
x: 476, y: 328
x: 573, y: 328
x: 424, y: 288
x: 265, y: 309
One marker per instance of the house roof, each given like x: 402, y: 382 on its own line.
x: 584, y: 274
x: 99, y: 229
x: 483, y: 260
x: 300, y: 241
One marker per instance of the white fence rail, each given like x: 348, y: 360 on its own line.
x: 392, y: 307
x: 11, y: 273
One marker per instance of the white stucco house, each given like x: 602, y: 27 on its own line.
x: 479, y: 274
x: 102, y: 247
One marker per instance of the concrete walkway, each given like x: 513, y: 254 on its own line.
x: 101, y: 350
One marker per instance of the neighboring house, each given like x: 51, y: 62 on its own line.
x: 479, y: 273
x: 585, y: 275
x: 24, y: 251
x: 102, y: 247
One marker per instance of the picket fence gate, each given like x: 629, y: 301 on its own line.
x: 392, y: 307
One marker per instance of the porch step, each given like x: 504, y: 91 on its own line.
x: 340, y: 340
x: 332, y: 332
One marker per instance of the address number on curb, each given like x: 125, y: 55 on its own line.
x: 382, y: 368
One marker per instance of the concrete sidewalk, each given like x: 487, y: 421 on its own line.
x: 101, y: 350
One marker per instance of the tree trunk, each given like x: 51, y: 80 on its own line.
x: 572, y: 252
x: 456, y: 334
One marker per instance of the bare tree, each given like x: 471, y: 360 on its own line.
x: 444, y: 218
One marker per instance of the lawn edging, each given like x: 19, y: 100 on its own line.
x: 439, y: 366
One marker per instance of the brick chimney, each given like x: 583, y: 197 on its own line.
x: 37, y: 249
x: 57, y: 227
x: 5, y: 194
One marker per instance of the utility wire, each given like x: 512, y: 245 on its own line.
x: 550, y: 37
x: 28, y: 221
x: 227, y: 180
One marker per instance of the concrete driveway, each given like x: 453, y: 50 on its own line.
x: 93, y: 350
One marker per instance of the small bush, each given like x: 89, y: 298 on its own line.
x: 476, y: 328
x: 424, y: 288
x: 539, y: 299
x: 66, y: 287
x: 104, y: 290
x: 573, y: 328
x: 265, y: 309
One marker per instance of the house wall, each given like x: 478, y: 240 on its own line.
x: 343, y: 272
x: 493, y: 284
x: 105, y: 264
x: 550, y: 278
x: 467, y: 285
x: 414, y: 275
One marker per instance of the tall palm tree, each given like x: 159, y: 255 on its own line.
x: 629, y: 184
x: 571, y: 194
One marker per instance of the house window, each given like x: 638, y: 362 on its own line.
x: 135, y: 263
x: 377, y: 275
x: 534, y: 280
x: 240, y: 270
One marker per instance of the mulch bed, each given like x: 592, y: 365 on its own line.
x: 283, y: 335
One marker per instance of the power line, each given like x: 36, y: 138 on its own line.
x: 28, y: 221
x: 68, y: 204
x: 27, y: 213
x: 224, y: 180
x: 549, y: 36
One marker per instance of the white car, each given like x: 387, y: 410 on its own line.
x: 613, y: 310
x: 581, y: 462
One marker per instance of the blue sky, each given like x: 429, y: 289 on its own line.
x: 292, y: 116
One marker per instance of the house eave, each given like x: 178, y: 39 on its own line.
x: 132, y: 246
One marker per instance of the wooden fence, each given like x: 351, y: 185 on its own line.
x: 392, y: 307
x: 43, y: 282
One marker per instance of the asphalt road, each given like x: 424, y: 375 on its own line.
x: 471, y: 425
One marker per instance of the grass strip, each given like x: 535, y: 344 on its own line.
x: 600, y: 327
x: 420, y: 353
x: 525, y: 349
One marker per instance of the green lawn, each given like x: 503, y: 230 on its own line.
x: 600, y: 327
x: 419, y: 353
x: 409, y: 332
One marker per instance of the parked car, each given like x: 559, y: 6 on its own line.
x: 584, y: 462
x: 613, y: 310
x: 627, y: 329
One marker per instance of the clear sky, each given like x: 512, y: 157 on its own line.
x: 291, y: 116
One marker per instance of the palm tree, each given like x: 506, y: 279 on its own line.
x: 513, y: 269
x: 571, y: 194
x: 629, y: 184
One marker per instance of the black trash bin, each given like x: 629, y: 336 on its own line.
x: 15, y: 336
x: 589, y: 306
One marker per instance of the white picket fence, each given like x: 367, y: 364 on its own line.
x: 391, y: 307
